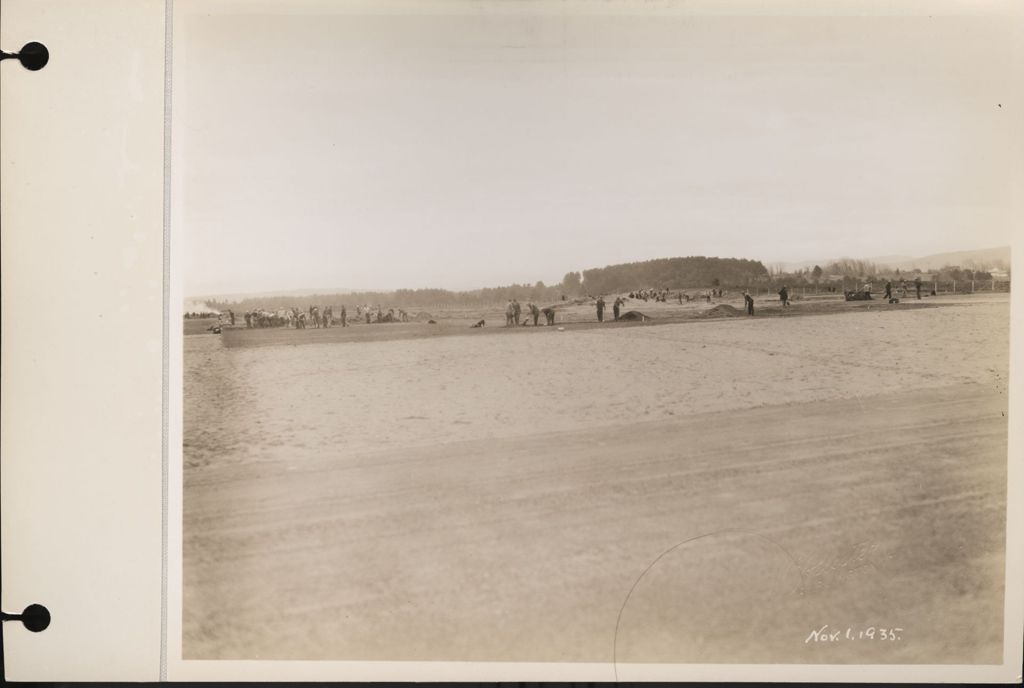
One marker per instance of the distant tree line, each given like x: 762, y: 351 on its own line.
x: 674, y: 273
x: 862, y: 270
x: 958, y: 274
x: 663, y: 273
x: 406, y: 298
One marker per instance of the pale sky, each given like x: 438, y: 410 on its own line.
x: 469, y: 147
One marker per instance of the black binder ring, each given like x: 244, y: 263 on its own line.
x: 35, y: 618
x: 33, y: 56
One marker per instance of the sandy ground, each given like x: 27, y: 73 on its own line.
x: 501, y: 497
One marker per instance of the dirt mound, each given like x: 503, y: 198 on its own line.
x: 422, y: 316
x: 722, y: 310
x: 634, y: 315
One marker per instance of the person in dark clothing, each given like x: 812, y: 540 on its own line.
x: 549, y: 315
x: 600, y: 309
x: 231, y: 315
x: 784, y: 295
x: 749, y: 301
x: 535, y: 312
x: 616, y: 306
x: 344, y: 316
x: 888, y: 290
x: 917, y: 286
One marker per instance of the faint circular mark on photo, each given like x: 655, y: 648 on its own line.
x: 715, y: 598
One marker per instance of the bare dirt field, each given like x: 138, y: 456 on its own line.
x: 712, y: 490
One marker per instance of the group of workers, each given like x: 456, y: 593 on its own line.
x: 514, y: 311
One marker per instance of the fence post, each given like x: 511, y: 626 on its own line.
x: 954, y: 286
x: 935, y: 287
x: 972, y: 286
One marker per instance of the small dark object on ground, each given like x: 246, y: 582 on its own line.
x: 431, y: 322
x: 721, y: 310
x: 634, y: 315
x: 858, y: 296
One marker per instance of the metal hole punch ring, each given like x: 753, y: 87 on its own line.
x: 33, y: 56
x: 35, y: 618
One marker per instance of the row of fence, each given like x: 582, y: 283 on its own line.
x: 937, y: 286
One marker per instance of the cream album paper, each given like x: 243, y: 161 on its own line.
x: 512, y: 340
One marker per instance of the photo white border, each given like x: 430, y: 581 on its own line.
x: 179, y: 669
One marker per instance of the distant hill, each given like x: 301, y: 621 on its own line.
x: 980, y: 259
x: 986, y: 258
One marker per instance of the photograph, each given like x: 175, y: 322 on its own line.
x: 593, y: 332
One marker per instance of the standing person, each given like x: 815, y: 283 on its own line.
x: 784, y: 295
x: 749, y: 301
x: 510, y: 313
x: 516, y: 310
x: 917, y: 285
x: 600, y: 309
x: 344, y: 316
x: 535, y: 312
x: 888, y: 290
x: 615, y: 307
